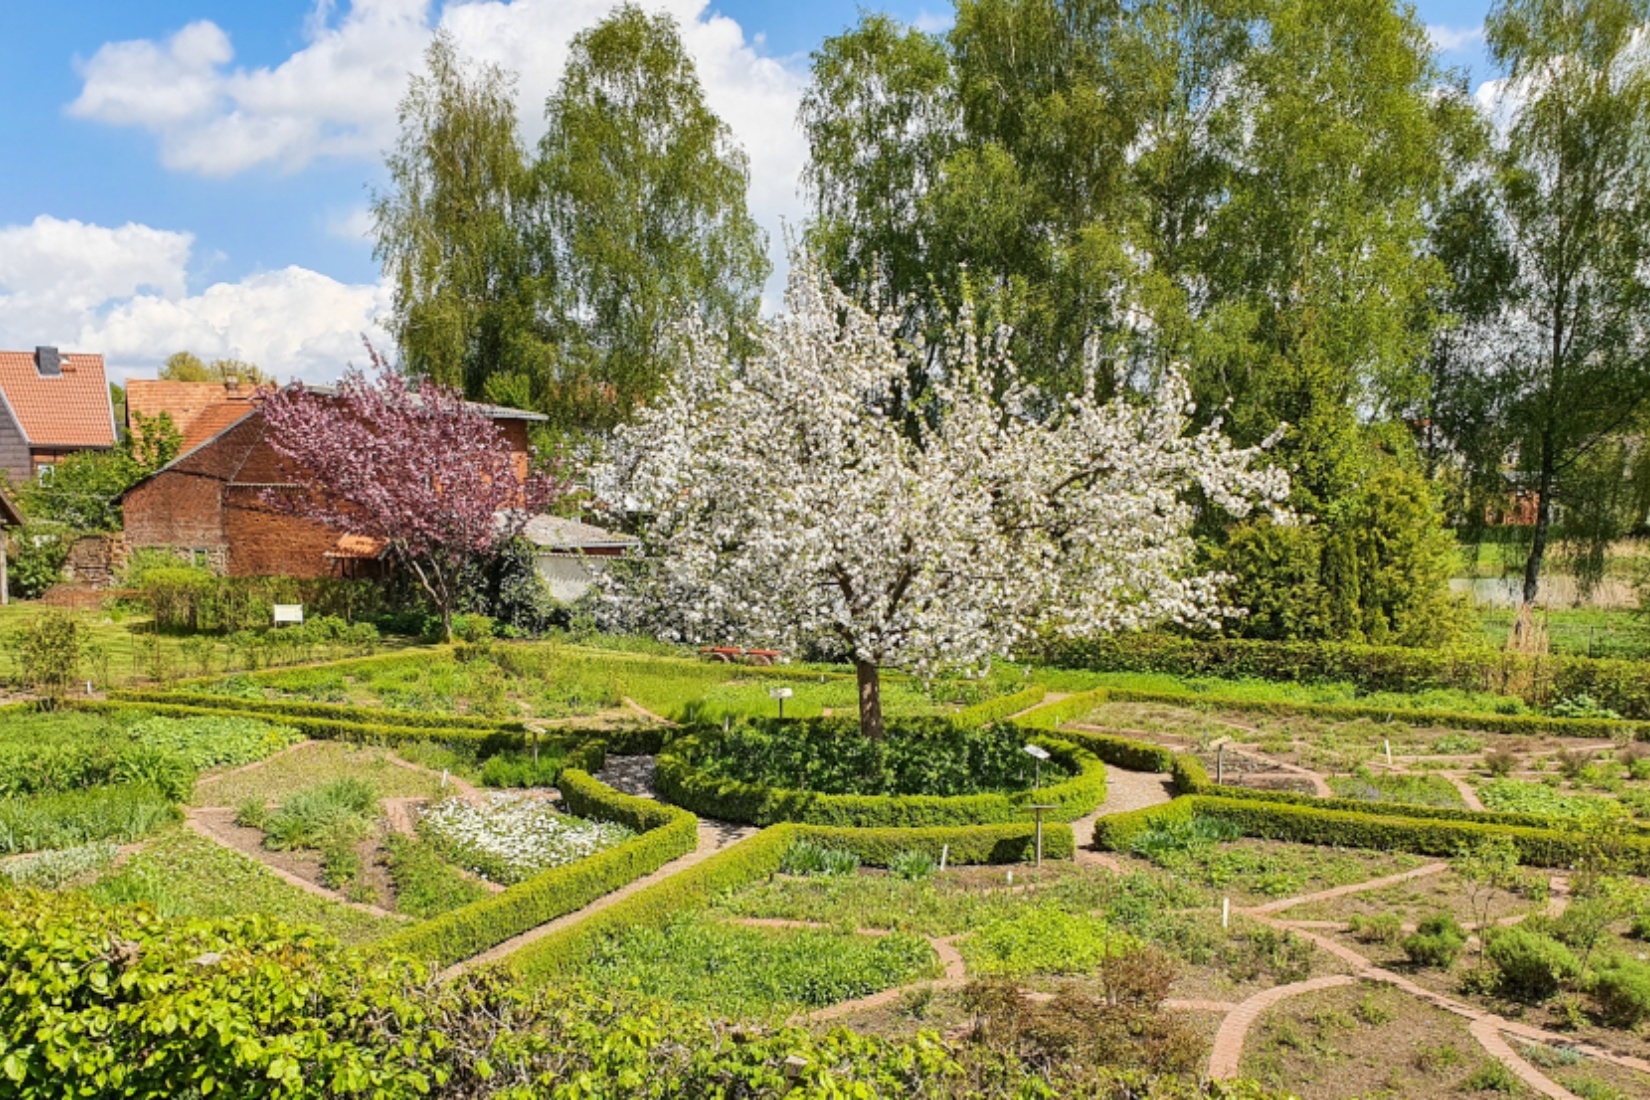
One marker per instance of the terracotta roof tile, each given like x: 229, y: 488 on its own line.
x: 199, y: 409
x: 71, y: 410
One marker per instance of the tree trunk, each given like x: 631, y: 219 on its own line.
x: 870, y: 700
x: 1543, y: 517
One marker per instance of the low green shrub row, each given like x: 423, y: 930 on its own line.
x: 337, y: 712
x: 1620, y: 685
x: 1531, y: 724
x: 1312, y: 824
x: 664, y: 833
x: 680, y: 782
x: 995, y: 710
x: 1049, y: 716
x: 696, y: 887
x: 331, y: 729
x: 968, y: 844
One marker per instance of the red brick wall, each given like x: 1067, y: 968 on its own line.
x: 176, y: 509
x: 266, y: 543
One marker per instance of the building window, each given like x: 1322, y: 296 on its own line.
x: 44, y: 473
x: 200, y: 559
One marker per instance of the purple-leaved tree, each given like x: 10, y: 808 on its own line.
x: 411, y: 464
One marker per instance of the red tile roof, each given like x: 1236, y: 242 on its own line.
x: 71, y: 410
x: 199, y: 409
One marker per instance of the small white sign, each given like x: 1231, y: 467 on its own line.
x: 1038, y: 751
x: 289, y: 613
x: 780, y: 693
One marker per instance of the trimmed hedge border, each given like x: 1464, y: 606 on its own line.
x: 759, y: 857
x: 665, y: 833
x: 1540, y: 847
x: 1621, y: 685
x: 679, y: 782
x: 337, y: 712
x: 1445, y: 719
x: 995, y: 710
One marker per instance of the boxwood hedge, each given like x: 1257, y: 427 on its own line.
x: 758, y: 857
x: 1623, y: 686
x: 680, y: 782
x: 664, y: 833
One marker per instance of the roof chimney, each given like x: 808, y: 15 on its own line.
x: 232, y: 385
x: 48, y: 363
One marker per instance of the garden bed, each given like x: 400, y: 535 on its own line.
x: 921, y: 773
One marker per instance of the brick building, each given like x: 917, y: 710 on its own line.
x: 207, y: 505
x: 52, y: 404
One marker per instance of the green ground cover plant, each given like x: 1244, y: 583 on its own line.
x: 755, y: 973
x: 313, y: 764
x: 121, y: 814
x: 1044, y: 939
x: 182, y: 875
x: 425, y: 884
x: 1519, y: 796
x: 1417, y: 790
x: 52, y: 869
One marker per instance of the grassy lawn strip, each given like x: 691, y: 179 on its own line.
x: 755, y: 972
x: 314, y: 764
x: 184, y: 875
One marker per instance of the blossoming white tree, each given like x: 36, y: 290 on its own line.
x: 806, y: 493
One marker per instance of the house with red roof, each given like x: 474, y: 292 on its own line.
x: 52, y: 404
x: 207, y: 505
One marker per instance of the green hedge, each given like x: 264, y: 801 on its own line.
x: 1530, y: 724
x: 678, y: 781
x: 665, y: 833
x: 995, y: 710
x: 336, y: 712
x: 1623, y: 686
x: 964, y: 844
x: 695, y: 887
x: 1050, y: 715
x: 1306, y: 824
x: 758, y: 857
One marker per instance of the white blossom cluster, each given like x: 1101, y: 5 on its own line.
x: 805, y: 495
x: 506, y: 837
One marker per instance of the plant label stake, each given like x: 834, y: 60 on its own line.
x: 1038, y: 810
x: 1039, y: 754
x: 1388, y: 744
x: 945, y: 850
x: 1225, y: 912
x: 443, y: 778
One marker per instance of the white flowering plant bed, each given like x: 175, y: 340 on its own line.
x: 506, y: 837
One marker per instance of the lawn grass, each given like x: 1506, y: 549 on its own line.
x: 311, y: 765
x: 180, y: 874
x: 549, y: 680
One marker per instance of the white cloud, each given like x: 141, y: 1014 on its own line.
x: 354, y: 224
x: 336, y: 96
x: 123, y: 292
x: 1454, y: 39
x: 934, y: 23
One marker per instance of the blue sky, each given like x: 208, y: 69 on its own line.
x: 193, y: 173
